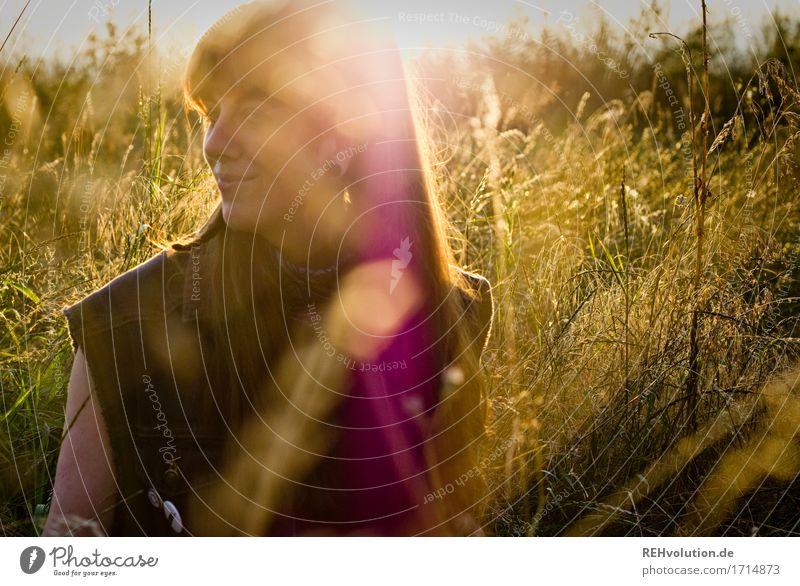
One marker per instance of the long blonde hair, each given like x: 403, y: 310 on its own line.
x: 392, y: 174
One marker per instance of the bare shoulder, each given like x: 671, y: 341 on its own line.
x: 146, y: 289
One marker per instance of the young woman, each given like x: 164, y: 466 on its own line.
x: 308, y: 362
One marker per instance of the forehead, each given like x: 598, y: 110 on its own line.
x: 248, y: 71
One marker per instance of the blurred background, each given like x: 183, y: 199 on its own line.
x: 643, y: 366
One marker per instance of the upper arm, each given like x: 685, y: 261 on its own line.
x: 84, y: 486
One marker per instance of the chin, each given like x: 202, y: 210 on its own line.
x: 237, y: 218
x: 251, y: 219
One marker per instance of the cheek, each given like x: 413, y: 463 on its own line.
x: 253, y: 143
x: 259, y: 202
x: 285, y: 169
x: 292, y: 146
x: 286, y: 157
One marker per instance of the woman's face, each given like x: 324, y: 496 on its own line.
x: 274, y: 163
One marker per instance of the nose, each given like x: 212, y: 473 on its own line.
x: 221, y: 141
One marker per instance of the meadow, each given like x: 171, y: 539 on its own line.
x: 636, y: 210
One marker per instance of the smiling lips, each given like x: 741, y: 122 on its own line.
x: 229, y: 180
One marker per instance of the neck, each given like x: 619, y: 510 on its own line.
x: 313, y: 256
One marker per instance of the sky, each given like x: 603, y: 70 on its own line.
x: 57, y: 27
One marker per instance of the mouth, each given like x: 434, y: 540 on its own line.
x: 230, y: 181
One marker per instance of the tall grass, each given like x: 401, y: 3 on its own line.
x: 613, y: 412
x: 611, y: 248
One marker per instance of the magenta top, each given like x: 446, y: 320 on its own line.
x: 374, y: 479
x: 376, y: 473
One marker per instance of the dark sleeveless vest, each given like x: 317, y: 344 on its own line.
x: 140, y: 335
